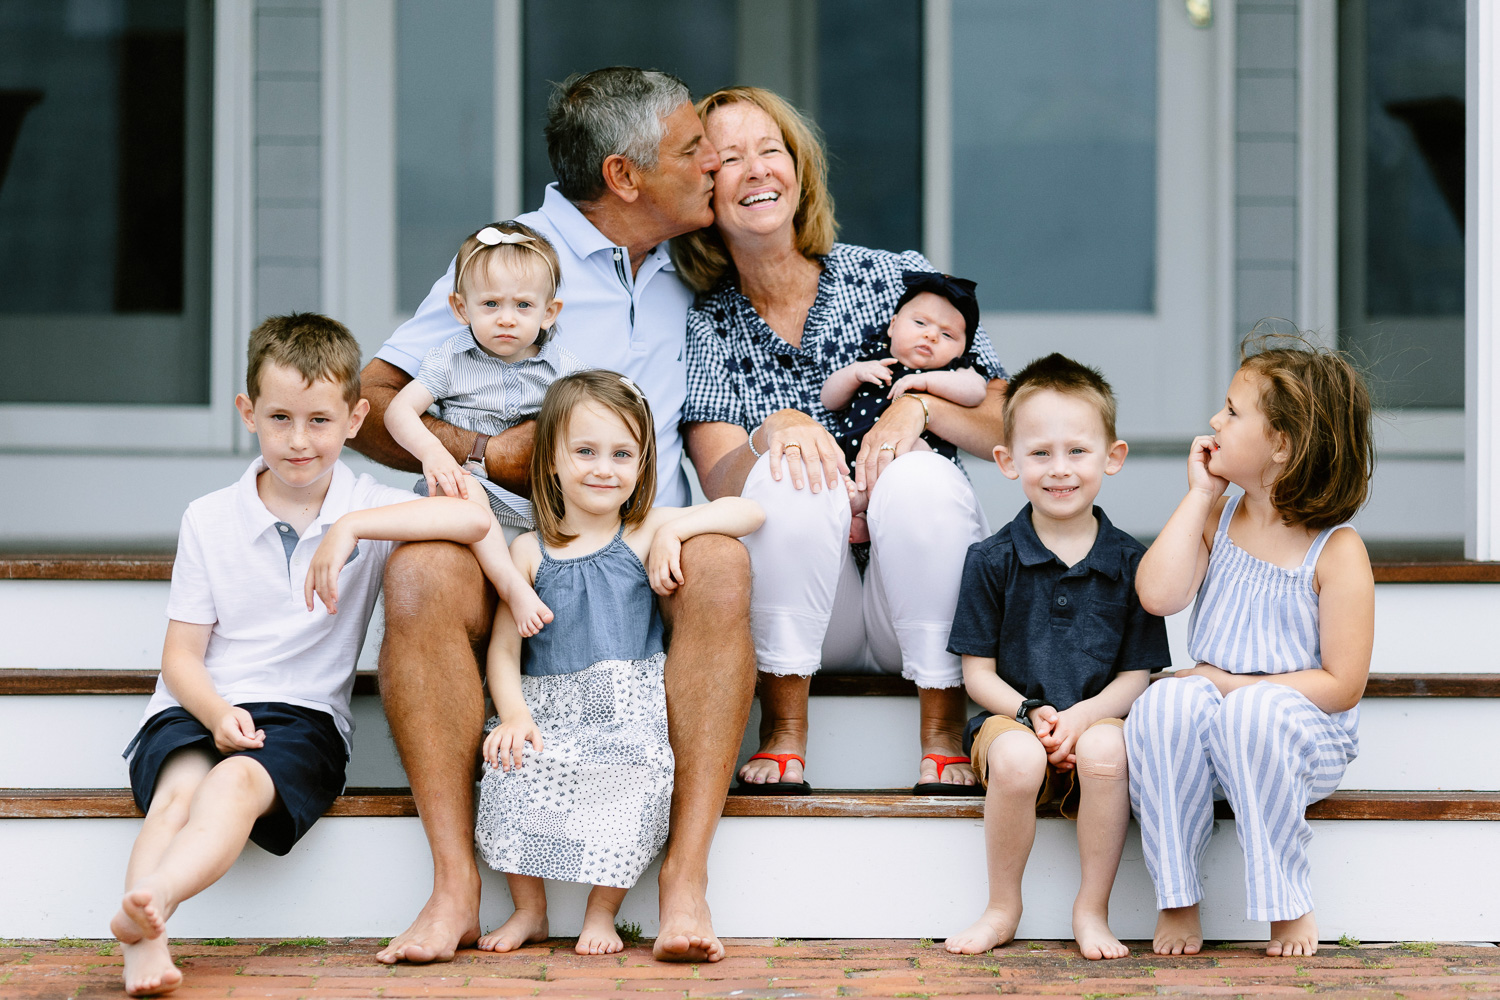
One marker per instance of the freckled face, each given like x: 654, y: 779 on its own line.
x: 927, y: 332
x: 301, y: 427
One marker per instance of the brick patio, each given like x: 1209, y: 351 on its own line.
x: 756, y: 969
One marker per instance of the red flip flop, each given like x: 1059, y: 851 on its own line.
x: 941, y: 787
x: 777, y: 787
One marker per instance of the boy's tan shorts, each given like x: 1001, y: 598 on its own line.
x: 1059, y: 786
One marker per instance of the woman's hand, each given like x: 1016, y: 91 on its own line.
x: 808, y: 448
x: 502, y: 747
x: 893, y: 435
x: 1199, y: 478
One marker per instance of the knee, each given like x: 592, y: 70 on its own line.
x: 438, y: 582
x: 1016, y: 764
x: 1101, y: 753
x: 1255, y: 709
x: 171, y: 802
x: 717, y: 566
x: 240, y: 776
x: 921, y: 478
x: 792, y: 514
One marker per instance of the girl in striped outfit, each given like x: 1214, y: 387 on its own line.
x: 1281, y: 633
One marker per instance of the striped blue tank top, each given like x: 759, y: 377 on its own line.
x: 1254, y: 617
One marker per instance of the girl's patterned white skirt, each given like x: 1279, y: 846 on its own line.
x: 592, y: 805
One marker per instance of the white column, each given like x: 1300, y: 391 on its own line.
x: 1481, y: 306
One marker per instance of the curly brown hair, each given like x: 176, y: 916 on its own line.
x: 1318, y: 399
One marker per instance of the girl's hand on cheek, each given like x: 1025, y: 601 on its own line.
x: 1199, y: 478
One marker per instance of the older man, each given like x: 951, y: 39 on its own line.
x: 633, y: 170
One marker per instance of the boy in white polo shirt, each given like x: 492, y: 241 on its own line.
x: 247, y: 734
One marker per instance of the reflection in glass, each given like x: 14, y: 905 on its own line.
x: 1054, y: 153
x: 103, y: 129
x: 1402, y: 249
x: 445, y: 135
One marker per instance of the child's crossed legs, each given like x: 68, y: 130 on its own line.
x: 1012, y: 763
x: 199, y: 820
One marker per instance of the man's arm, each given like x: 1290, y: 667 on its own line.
x: 507, y: 457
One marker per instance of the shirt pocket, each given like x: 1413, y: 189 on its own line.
x: 1100, y: 629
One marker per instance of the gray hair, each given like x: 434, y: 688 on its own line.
x: 616, y: 111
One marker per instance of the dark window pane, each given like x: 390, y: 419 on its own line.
x: 1402, y: 179
x: 96, y: 300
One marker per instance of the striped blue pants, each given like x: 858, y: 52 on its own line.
x: 1270, y: 751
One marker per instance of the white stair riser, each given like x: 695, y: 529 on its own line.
x: 74, y: 741
x: 783, y: 877
x: 93, y: 624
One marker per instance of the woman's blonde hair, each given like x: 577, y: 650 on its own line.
x: 1317, y: 398
x: 616, y: 393
x: 701, y: 257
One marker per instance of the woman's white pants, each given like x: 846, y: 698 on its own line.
x: 810, y: 608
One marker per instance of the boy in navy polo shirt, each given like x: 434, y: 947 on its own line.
x: 1055, y: 647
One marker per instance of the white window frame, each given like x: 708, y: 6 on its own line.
x: 82, y: 427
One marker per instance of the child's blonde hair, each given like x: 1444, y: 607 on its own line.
x: 311, y: 344
x: 515, y: 245
x: 1318, y: 399
x: 616, y: 393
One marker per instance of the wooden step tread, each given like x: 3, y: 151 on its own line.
x: 158, y: 566
x: 26, y: 681
x: 116, y: 803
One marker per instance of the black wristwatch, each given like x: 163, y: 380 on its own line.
x: 1023, y: 714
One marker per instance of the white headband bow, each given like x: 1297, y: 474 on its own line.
x: 490, y: 236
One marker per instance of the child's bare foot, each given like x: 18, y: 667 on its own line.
x: 1294, y: 937
x: 138, y: 918
x: 148, y: 967
x: 1095, y: 940
x: 598, y: 936
x: 524, y: 927
x: 1178, y: 932
x: 859, y: 529
x: 528, y: 611
x: 993, y: 928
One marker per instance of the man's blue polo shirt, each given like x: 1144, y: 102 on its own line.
x: 633, y: 324
x: 1056, y: 632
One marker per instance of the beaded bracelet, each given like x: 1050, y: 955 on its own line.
x: 751, y: 440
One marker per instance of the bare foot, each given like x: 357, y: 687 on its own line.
x: 1178, y: 931
x: 1294, y: 937
x: 763, y: 772
x: 137, y: 918
x: 993, y: 928
x: 148, y: 967
x: 524, y: 927
x: 687, y: 932
x: 598, y: 936
x: 859, y: 529
x: 529, y: 611
x: 443, y: 926
x: 1095, y: 941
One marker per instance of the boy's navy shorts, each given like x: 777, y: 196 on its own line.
x: 303, y: 753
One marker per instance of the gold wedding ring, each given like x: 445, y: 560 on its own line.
x: 887, y: 447
x: 787, y: 447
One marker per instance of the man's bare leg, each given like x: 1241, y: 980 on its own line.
x: 710, y: 678
x: 942, y: 733
x: 783, y: 728
x: 438, y: 612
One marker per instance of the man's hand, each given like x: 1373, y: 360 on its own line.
x: 235, y: 731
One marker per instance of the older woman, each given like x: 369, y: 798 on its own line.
x: 783, y: 307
